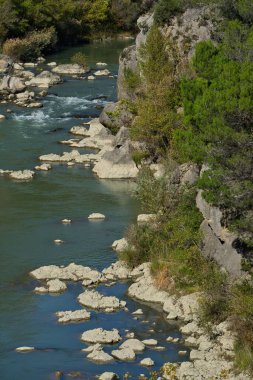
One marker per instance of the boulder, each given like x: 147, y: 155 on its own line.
x: 56, y: 286
x: 43, y: 167
x: 102, y: 73
x: 116, y: 163
x: 25, y: 349
x: 52, y: 64
x: 147, y: 362
x: 70, y: 69
x: 91, y: 77
x: 72, y: 316
x: 118, y: 270
x: 134, y: 344
x: 12, y: 85
x: 116, y: 115
x: 93, y: 347
x: 101, y: 336
x: 97, y: 301
x: 72, y: 272
x: 120, y: 245
x: 22, y: 175
x: 150, y: 342
x: 102, y: 64
x: 96, y: 216
x: 138, y: 312
x: 45, y: 79
x: 124, y: 354
x: 108, y: 376
x: 6, y: 63
x: 99, y: 356
x: 2, y: 118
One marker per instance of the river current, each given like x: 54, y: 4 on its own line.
x: 30, y: 219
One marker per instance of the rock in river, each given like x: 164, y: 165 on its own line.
x: 101, y: 336
x: 95, y: 300
x: 134, y: 344
x: 96, y: 216
x: 72, y: 316
x: 124, y: 354
x: 70, y: 69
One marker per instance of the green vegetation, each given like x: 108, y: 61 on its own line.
x: 72, y: 20
x: 80, y: 59
x: 199, y: 112
x: 32, y: 46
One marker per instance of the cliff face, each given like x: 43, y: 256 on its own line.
x: 186, y: 30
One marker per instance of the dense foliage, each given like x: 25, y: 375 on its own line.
x: 199, y: 112
x: 73, y: 20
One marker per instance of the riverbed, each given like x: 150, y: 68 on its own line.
x: 31, y: 214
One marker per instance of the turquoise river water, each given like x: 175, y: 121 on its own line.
x: 30, y: 215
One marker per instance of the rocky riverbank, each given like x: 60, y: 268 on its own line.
x: 209, y: 358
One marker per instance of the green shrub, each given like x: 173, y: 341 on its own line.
x: 214, y: 307
x: 138, y: 156
x: 32, y: 46
x: 132, y: 79
x: 165, y: 9
x: 80, y: 59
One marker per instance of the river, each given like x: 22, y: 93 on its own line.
x: 31, y: 214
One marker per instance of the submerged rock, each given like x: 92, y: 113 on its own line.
x: 101, y: 336
x: 95, y: 300
x: 72, y: 316
x: 2, y: 118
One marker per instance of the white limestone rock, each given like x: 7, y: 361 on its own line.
x: 146, y: 218
x: 22, y: 175
x: 25, y: 349
x: 116, y: 164
x: 70, y: 69
x: 72, y: 272
x: 118, y: 270
x: 96, y: 216
x: 120, y: 245
x: 73, y: 316
x: 124, y: 354
x: 45, y: 79
x: 108, y: 376
x: 97, y: 301
x: 43, y: 167
x: 2, y: 118
x: 147, y: 362
x: 56, y: 286
x: 99, y: 356
x: 102, y: 73
x: 134, y: 344
x: 100, y: 335
x: 150, y: 342
x: 138, y: 312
